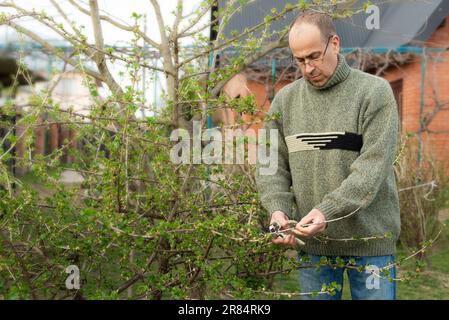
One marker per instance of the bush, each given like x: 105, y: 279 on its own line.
x: 420, y: 199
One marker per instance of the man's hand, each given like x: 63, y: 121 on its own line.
x: 282, y: 219
x: 314, y: 217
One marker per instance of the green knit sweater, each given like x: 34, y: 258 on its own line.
x: 336, y: 148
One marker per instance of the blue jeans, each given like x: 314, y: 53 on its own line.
x: 363, y: 285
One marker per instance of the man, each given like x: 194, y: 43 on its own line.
x: 336, y: 147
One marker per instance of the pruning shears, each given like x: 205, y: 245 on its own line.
x: 276, y: 232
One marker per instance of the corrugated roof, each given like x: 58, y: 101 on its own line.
x: 401, y: 22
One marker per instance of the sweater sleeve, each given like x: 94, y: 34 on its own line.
x: 274, y: 188
x: 375, y: 162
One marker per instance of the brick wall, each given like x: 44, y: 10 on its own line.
x: 436, y: 82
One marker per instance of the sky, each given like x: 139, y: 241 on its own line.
x: 119, y: 10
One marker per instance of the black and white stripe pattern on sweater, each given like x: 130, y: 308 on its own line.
x: 324, y: 140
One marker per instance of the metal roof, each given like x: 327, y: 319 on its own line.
x: 401, y: 22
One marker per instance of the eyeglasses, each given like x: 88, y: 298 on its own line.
x: 302, y: 62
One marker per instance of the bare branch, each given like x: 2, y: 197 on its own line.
x: 52, y: 50
x: 160, y: 21
x: 99, y: 44
x: 198, y: 17
x: 179, y: 9
x: 249, y: 60
x: 63, y: 14
x: 119, y: 25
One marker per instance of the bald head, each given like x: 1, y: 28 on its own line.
x: 322, y: 21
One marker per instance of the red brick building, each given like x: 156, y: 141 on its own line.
x: 425, y: 80
x: 49, y: 134
x: 418, y: 74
